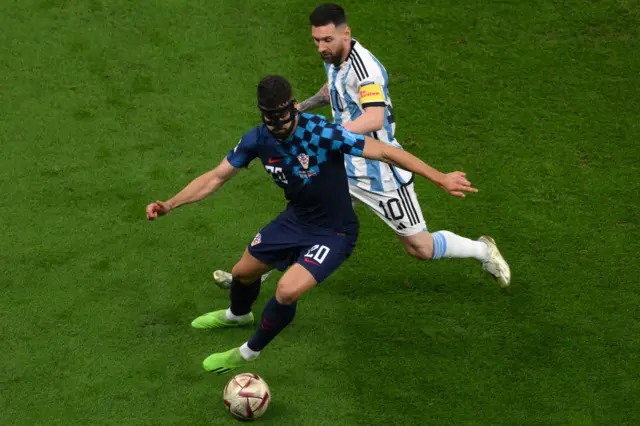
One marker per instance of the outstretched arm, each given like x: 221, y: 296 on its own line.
x: 198, y: 189
x: 454, y: 183
x: 318, y: 100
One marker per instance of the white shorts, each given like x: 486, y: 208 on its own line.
x: 399, y: 208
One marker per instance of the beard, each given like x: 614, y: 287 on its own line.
x: 334, y: 58
x: 283, y: 134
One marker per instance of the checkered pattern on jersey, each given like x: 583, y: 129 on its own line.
x: 314, y: 138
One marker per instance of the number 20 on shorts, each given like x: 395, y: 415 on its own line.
x: 318, y: 253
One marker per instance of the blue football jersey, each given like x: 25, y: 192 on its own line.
x: 309, y: 167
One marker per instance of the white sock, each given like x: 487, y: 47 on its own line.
x: 248, y: 353
x: 232, y: 317
x: 447, y: 244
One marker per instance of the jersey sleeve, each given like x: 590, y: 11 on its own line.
x: 372, y: 85
x: 245, y: 150
x: 372, y: 94
x: 340, y: 139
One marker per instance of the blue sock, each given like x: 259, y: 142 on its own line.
x: 275, y: 318
x: 243, y: 296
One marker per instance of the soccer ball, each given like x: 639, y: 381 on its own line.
x: 247, y: 396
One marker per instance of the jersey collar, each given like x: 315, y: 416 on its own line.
x: 345, y: 63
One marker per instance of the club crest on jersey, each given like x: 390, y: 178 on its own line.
x: 257, y: 240
x: 304, y: 160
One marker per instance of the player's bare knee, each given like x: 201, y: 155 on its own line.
x: 242, y: 274
x: 287, y: 292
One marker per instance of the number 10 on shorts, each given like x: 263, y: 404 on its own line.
x: 318, y: 253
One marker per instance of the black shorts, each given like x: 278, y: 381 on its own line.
x: 284, y: 241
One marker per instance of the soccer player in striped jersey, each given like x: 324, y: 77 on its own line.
x: 358, y: 91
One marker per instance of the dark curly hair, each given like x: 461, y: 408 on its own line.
x: 274, y: 91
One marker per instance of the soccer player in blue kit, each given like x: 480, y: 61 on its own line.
x: 315, y: 234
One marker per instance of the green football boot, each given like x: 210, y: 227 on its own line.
x: 224, y: 362
x: 218, y: 319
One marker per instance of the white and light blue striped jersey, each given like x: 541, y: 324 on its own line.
x: 357, y: 83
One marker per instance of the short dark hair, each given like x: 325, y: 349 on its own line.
x: 274, y: 91
x: 328, y: 13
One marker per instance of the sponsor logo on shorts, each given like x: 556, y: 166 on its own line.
x: 313, y: 262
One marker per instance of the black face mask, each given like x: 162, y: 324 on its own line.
x: 273, y: 117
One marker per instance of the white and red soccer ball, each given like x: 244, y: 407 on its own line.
x: 247, y: 396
